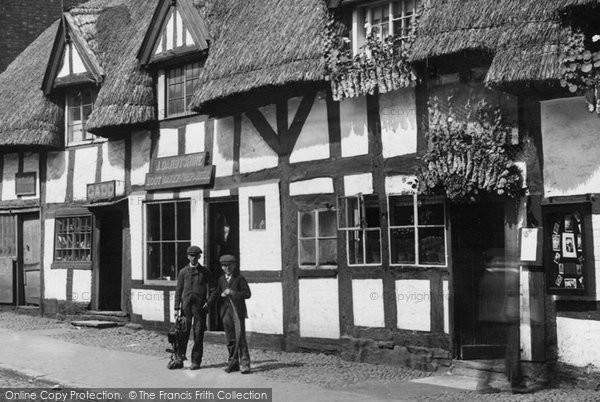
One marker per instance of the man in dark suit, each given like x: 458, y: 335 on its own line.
x: 191, y: 296
x: 234, y: 290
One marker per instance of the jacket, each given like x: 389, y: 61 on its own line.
x: 192, y: 282
x: 240, y: 291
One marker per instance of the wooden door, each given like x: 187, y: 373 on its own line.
x: 8, y: 256
x: 30, y: 262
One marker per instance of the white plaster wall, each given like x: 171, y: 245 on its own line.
x: 578, y: 341
x: 255, y: 154
x: 319, y: 308
x: 220, y: 193
x: 400, y: 184
x: 84, y: 171
x: 160, y: 92
x: 571, y: 147
x: 223, y: 147
x: 148, y: 303
x: 54, y: 279
x: 596, y: 240
x: 140, y: 157
x: 196, y: 216
x: 525, y: 314
x: 353, y: 127
x: 78, y: 66
x: 64, y: 69
x: 398, y: 115
x: 446, y: 295
x: 56, y: 181
x: 11, y: 166
x: 136, y: 230
x: 319, y: 185
x: 313, y: 142
x: 265, y: 308
x: 367, y: 302
x: 31, y: 163
x: 169, y: 31
x: 358, y: 183
x: 113, y: 161
x: 270, y: 114
x: 413, y: 302
x: 194, y: 137
x: 82, y: 285
x: 180, y: 27
x: 260, y: 250
x: 168, y: 142
x: 172, y: 306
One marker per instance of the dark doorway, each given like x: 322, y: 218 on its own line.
x: 110, y: 255
x: 479, y: 270
x: 223, y: 238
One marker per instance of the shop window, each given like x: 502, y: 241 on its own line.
x: 168, y: 235
x: 417, y: 231
x: 317, y: 239
x: 257, y: 213
x: 80, y: 103
x: 180, y: 83
x: 73, y: 241
x: 359, y: 217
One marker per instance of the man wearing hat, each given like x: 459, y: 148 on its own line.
x: 191, y: 296
x: 234, y: 290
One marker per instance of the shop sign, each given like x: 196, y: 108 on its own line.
x: 25, y: 183
x: 179, y: 163
x: 189, y: 178
x: 101, y: 191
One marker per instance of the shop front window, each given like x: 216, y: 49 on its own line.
x: 73, y: 241
x: 417, y: 231
x: 168, y: 235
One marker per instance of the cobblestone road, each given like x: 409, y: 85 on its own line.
x: 311, y: 368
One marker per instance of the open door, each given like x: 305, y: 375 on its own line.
x: 480, y: 273
x: 223, y: 238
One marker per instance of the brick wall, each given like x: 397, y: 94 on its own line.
x: 22, y: 21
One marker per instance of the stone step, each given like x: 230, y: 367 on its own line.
x: 493, y: 370
x: 119, y: 317
x: 95, y: 323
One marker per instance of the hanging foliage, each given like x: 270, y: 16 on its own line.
x: 379, y: 64
x: 471, y: 156
x: 580, y: 68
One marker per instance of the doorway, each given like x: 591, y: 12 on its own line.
x: 223, y: 238
x: 28, y: 260
x: 479, y: 272
x: 110, y: 259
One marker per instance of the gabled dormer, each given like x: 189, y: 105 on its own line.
x: 72, y: 61
x: 75, y: 74
x: 175, y: 47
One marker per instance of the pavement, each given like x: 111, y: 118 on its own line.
x: 61, y: 355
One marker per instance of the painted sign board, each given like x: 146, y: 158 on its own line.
x: 101, y: 191
x: 25, y: 183
x: 179, y: 163
x: 188, y: 178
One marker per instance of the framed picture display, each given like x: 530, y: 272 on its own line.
x: 568, y: 262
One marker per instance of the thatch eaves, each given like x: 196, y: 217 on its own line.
x: 524, y: 36
x: 262, y: 43
x: 27, y: 117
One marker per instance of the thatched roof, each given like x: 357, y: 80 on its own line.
x: 262, y: 43
x: 113, y: 30
x: 522, y: 35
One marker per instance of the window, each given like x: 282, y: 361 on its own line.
x: 180, y: 88
x: 168, y: 236
x: 73, y: 242
x: 257, y: 213
x: 80, y: 103
x: 417, y: 231
x: 317, y: 239
x: 359, y: 216
x: 389, y: 18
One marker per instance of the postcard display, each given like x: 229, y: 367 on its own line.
x: 565, y: 249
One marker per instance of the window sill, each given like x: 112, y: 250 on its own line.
x: 86, y: 142
x: 160, y: 282
x: 317, y: 272
x: 71, y: 265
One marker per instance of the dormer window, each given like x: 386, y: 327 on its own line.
x: 383, y: 19
x: 180, y: 83
x: 79, y: 105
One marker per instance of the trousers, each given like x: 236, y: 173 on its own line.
x: 240, y: 356
x: 195, y: 318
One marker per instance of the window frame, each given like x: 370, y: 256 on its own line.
x: 361, y: 227
x: 251, y: 213
x: 81, y: 264
x: 315, y: 213
x: 177, y: 264
x: 415, y: 226
x: 88, y: 138
x: 185, y: 96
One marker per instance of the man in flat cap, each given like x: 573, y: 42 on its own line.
x: 193, y: 291
x: 234, y: 290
